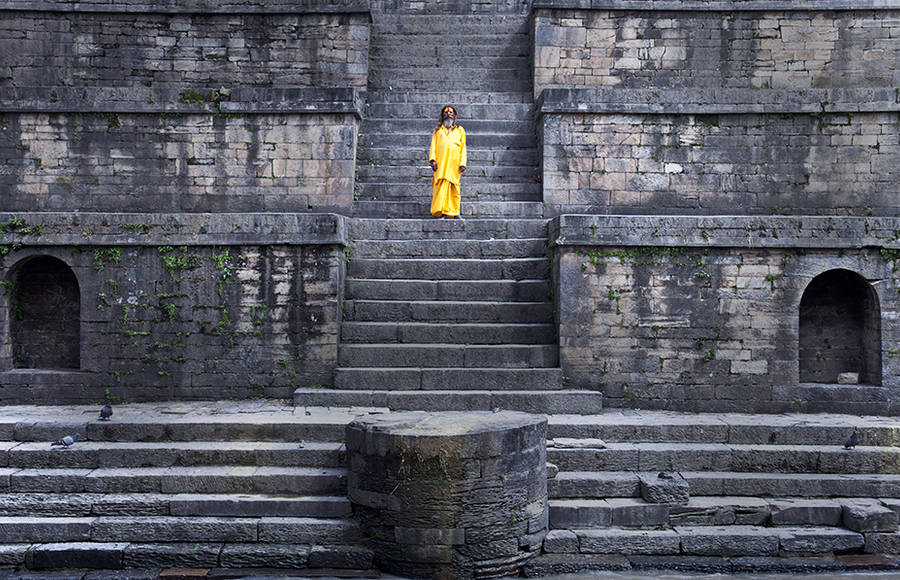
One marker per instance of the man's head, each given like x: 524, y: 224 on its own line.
x: 448, y: 117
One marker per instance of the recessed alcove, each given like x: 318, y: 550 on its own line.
x: 45, y: 315
x: 840, y: 329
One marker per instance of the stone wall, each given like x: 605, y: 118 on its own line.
x: 718, y: 157
x: 189, y: 157
x: 725, y: 45
x: 132, y: 48
x: 177, y: 306
x: 703, y: 313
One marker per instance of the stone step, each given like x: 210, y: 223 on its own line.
x: 430, y: 228
x: 424, y: 125
x: 385, y: 74
x: 644, y: 426
x: 423, y: 84
x: 473, y: 333
x: 144, y: 560
x: 448, y: 96
x: 499, y: 111
x: 491, y: 40
x: 472, y: 191
x: 447, y: 311
x: 421, y: 140
x: 469, y: 209
x: 16, y: 529
x: 448, y: 269
x: 448, y: 379
x: 385, y: 154
x: 529, y: 401
x: 167, y: 504
x: 473, y: 249
x: 405, y: 23
x: 93, y: 454
x: 205, y: 479
x: 727, y: 541
x: 489, y: 290
x: 728, y: 457
x: 699, y: 511
x: 522, y: 356
x: 422, y: 173
x: 388, y: 57
x: 606, y: 484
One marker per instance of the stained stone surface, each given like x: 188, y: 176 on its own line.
x: 452, y: 494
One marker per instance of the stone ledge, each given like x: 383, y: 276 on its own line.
x: 171, y: 229
x: 199, y: 100
x: 193, y: 6
x: 718, y: 5
x: 718, y: 101
x: 724, y: 231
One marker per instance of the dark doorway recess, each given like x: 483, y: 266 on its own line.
x: 45, y: 315
x: 840, y: 329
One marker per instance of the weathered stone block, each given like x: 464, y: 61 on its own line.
x: 812, y: 512
x: 728, y: 541
x: 561, y: 542
x: 868, y: 516
x: 665, y: 488
x: 341, y: 557
x: 579, y: 513
x: 260, y: 555
x: 616, y: 541
x: 79, y: 555
x: 820, y: 541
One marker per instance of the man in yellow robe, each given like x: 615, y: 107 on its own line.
x: 448, y: 158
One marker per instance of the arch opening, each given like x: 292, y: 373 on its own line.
x: 840, y: 329
x: 45, y: 315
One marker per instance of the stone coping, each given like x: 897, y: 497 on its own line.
x: 725, y: 231
x: 718, y: 101
x: 176, y: 229
x: 203, y: 100
x: 719, y: 5
x: 192, y: 6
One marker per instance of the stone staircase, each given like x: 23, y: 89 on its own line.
x: 767, y: 493
x: 481, y: 64
x: 449, y: 315
x: 205, y: 485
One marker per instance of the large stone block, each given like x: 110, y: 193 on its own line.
x: 665, y: 488
x: 728, y: 541
x: 868, y: 516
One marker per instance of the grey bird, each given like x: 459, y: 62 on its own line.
x: 853, y: 440
x: 105, y: 413
x: 66, y: 441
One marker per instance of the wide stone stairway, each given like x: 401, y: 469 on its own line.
x: 259, y: 484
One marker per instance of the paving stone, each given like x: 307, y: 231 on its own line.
x: 172, y: 555
x: 561, y: 542
x: 868, y: 516
x: 341, y: 557
x: 617, y: 541
x: 728, y: 541
x: 819, y: 540
x: 259, y: 555
x: 805, y: 512
x: 580, y: 513
x: 89, y: 555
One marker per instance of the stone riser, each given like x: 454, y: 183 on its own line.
x: 447, y: 311
x: 498, y: 112
x: 448, y: 355
x: 389, y: 57
x: 471, y: 249
x: 111, y: 556
x: 484, y: 178
x: 156, y: 504
x: 429, y: 228
x: 497, y: 84
x: 721, y: 457
x: 206, y: 479
x: 449, y: 269
x: 545, y: 401
x: 420, y: 141
x: 424, y: 125
x: 606, y: 484
x: 177, y: 529
x: 419, y: 209
x: 449, y: 95
x: 90, y: 454
x: 391, y: 332
x: 461, y: 23
x: 494, y: 291
x: 414, y: 155
x: 448, y: 379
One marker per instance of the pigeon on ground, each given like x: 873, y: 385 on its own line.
x: 105, y: 413
x: 66, y: 441
x: 853, y: 440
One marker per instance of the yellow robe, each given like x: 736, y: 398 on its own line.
x: 448, y: 150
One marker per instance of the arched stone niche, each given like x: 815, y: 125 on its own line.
x: 44, y: 313
x: 840, y: 329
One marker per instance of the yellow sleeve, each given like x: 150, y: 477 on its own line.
x: 431, y: 152
x: 463, y: 156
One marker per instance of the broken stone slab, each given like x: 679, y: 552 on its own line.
x: 848, y: 378
x: 862, y: 515
x: 719, y: 511
x: 665, y: 488
x: 571, y: 443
